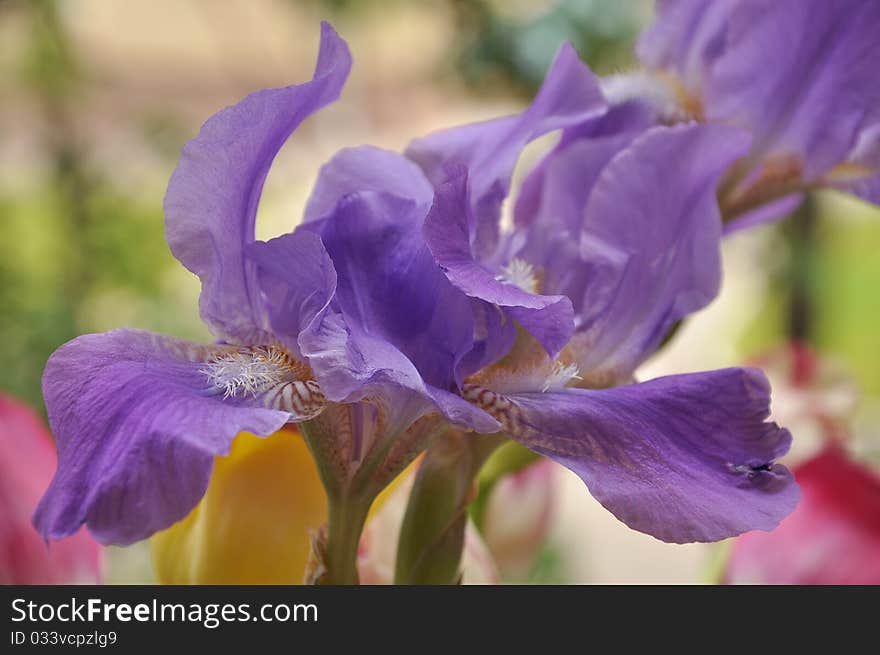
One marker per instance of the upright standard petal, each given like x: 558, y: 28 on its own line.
x: 650, y: 243
x: 686, y: 37
x: 297, y: 280
x: 569, y: 95
x: 549, y: 319
x: 801, y: 76
x: 550, y: 234
x: 367, y: 168
x: 683, y: 458
x: 395, y: 329
x: 212, y: 197
x: 138, y: 419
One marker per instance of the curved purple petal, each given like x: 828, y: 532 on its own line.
x: 650, y: 243
x: 367, y: 168
x: 298, y: 282
x: 212, y: 197
x: 800, y: 75
x: 352, y: 365
x: 394, y: 330
x: 549, y: 319
x: 683, y: 458
x: 686, y: 37
x: 390, y: 286
x: 765, y: 214
x: 551, y: 237
x: 821, y: 89
x: 137, y: 426
x: 535, y: 202
x: 860, y: 175
x: 569, y: 95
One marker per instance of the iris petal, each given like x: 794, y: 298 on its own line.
x: 212, y: 197
x: 683, y: 458
x: 137, y: 423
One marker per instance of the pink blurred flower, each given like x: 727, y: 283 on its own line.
x: 27, y: 461
x: 517, y: 518
x: 833, y: 537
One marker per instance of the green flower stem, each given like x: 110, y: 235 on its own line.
x: 345, y: 522
x: 432, y: 534
x: 335, y: 549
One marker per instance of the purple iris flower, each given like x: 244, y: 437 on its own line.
x: 355, y: 331
x: 400, y: 306
x: 799, y: 75
x: 622, y: 223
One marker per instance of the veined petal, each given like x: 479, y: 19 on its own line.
x: 683, y: 458
x: 394, y: 330
x: 551, y: 237
x: 298, y: 282
x: 801, y: 76
x: 138, y: 419
x: 539, y: 193
x: 390, y: 286
x: 212, y: 197
x: 367, y: 168
x: 569, y: 95
x: 650, y: 243
x: 549, y: 319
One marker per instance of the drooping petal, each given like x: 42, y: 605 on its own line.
x: 212, y: 197
x: 27, y: 460
x: 549, y: 319
x: 650, y: 243
x: 367, y: 168
x: 569, y: 95
x: 252, y: 525
x: 683, y: 458
x: 833, y: 537
x: 138, y: 419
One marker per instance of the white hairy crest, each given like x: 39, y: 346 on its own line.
x: 521, y: 274
x: 560, y: 376
x: 654, y: 89
x: 247, y: 371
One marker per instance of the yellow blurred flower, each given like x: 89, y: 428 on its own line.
x: 252, y: 526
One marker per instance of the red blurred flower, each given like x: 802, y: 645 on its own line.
x: 833, y: 537
x: 27, y: 461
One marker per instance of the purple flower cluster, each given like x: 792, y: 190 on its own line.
x: 401, y: 305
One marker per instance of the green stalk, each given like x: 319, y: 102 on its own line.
x: 345, y: 522
x: 432, y: 534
